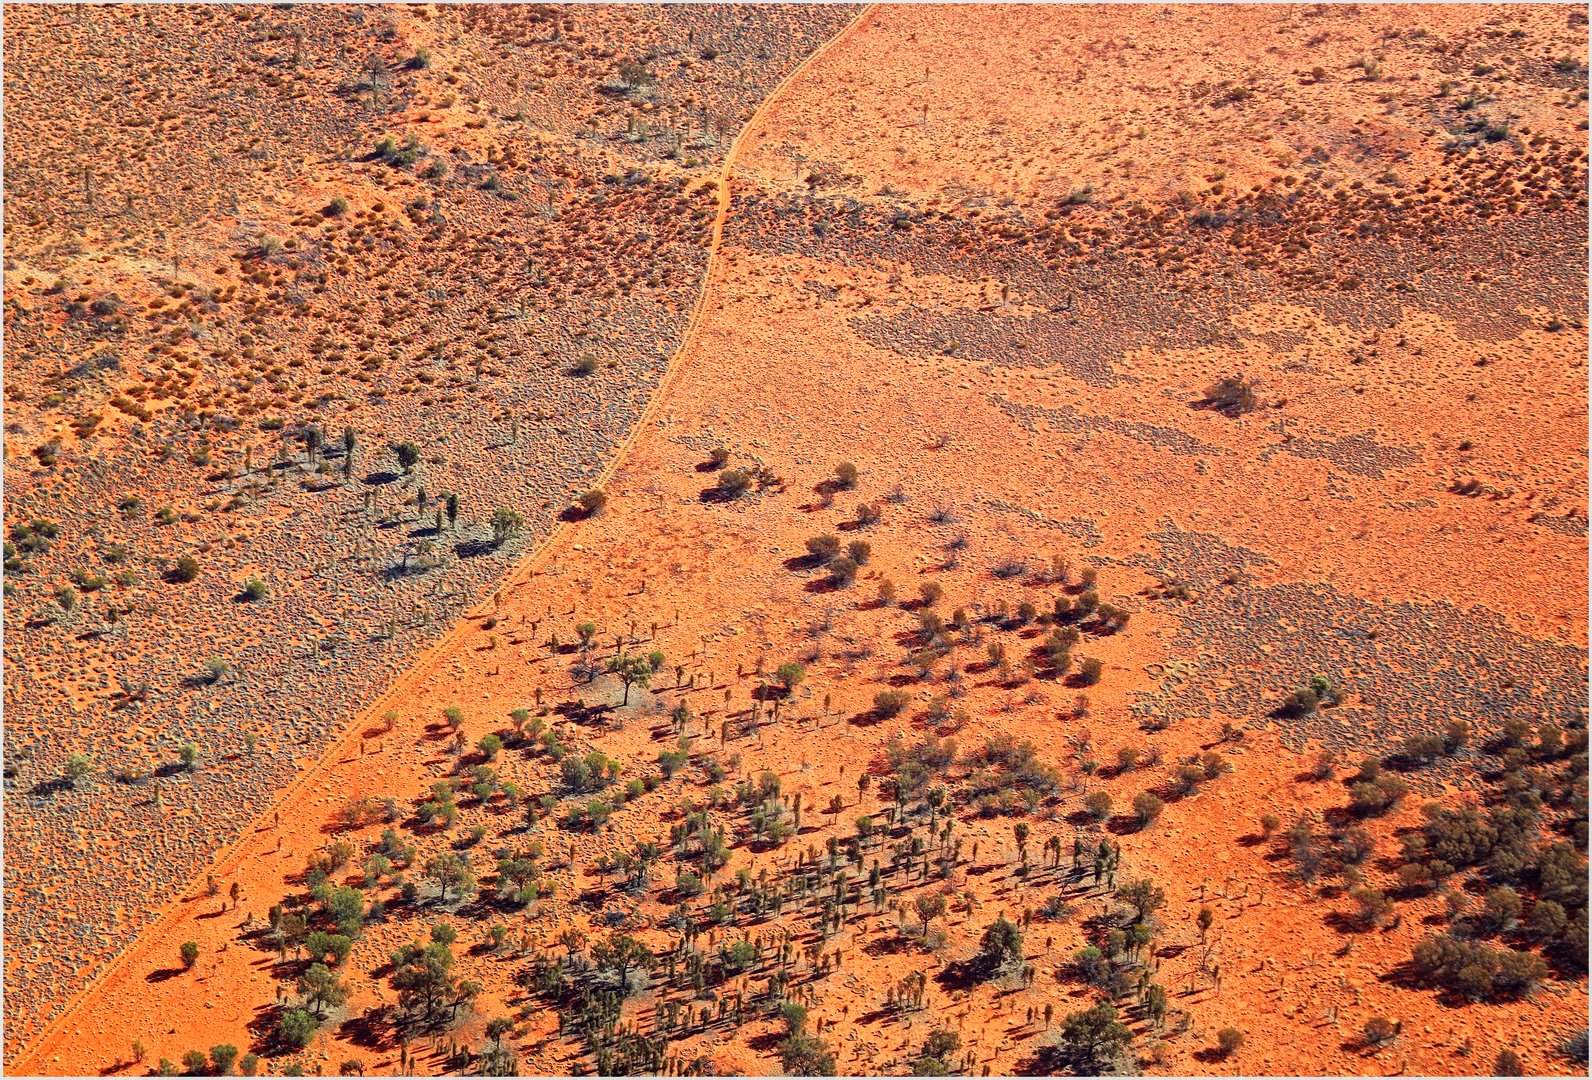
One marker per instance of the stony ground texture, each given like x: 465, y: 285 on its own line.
x: 184, y: 299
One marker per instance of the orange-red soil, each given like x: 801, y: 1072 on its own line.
x: 902, y: 280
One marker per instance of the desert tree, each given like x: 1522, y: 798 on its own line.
x: 505, y: 523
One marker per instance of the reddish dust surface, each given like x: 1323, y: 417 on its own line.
x: 1001, y: 419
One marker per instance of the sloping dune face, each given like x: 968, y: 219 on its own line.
x: 236, y: 238
x: 1073, y: 389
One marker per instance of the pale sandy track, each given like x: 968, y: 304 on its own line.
x: 29, y: 1059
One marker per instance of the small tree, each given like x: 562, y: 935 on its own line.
x: 631, y: 670
x: 633, y: 74
x: 408, y: 455
x: 1232, y: 396
x: 622, y: 954
x: 1093, y: 1042
x: 449, y: 871
x: 505, y: 523
x: 1000, y: 947
x: 789, y: 675
x: 805, y: 1054
x: 1508, y: 1063
x: 189, y: 950
x: 321, y: 989
x: 1379, y: 1031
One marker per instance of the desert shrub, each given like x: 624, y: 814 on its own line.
x: 1187, y: 779
x: 823, y: 547
x: 718, y: 457
x: 1422, y: 749
x: 1098, y: 803
x: 1375, y: 909
x: 930, y: 592
x: 1089, y: 671
x: 1147, y: 807
x: 185, y: 569
x: 591, y: 502
x: 733, y: 483
x: 889, y: 703
x: 842, y: 570
x: 1369, y: 799
x: 1500, y: 911
x: 76, y: 768
x: 1380, y: 1031
x: 1229, y: 1041
x: 860, y: 551
x: 1005, y: 766
x: 1325, y: 766
x: 845, y: 476
x: 584, y: 365
x: 295, y: 1028
x: 1233, y: 395
x: 189, y: 951
x: 1301, y: 702
x: 1475, y: 970
x: 254, y: 589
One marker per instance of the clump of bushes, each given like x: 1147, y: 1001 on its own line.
x: 1231, y: 396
